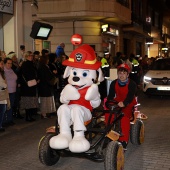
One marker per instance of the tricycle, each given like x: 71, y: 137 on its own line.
x: 103, y: 137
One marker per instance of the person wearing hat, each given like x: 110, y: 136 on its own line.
x: 79, y: 97
x: 105, y: 59
x: 123, y: 91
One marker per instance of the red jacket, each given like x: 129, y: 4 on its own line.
x: 125, y: 93
x: 82, y: 101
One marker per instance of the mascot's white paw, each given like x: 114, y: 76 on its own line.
x: 60, y: 141
x: 70, y: 93
x: 79, y: 143
x: 92, y: 93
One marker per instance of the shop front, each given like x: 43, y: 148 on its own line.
x: 110, y: 36
x: 6, y: 9
x: 154, y: 47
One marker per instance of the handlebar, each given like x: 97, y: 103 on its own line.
x: 112, y: 105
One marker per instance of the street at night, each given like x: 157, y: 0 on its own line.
x: 84, y: 55
x: 19, y: 144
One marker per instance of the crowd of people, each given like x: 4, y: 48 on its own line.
x: 138, y: 65
x: 32, y: 82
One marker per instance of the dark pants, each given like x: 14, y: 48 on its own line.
x: 9, y: 113
x: 2, y: 112
x: 16, y: 105
x: 103, y: 89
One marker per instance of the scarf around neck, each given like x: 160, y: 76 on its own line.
x: 123, y: 83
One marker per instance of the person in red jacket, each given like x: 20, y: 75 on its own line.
x: 123, y: 91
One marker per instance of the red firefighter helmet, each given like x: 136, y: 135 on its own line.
x: 124, y: 66
x: 83, y: 57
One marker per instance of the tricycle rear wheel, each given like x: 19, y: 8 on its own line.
x: 137, y: 132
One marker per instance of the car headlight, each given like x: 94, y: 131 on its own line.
x: 146, y: 79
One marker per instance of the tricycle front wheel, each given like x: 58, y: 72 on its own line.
x: 114, y: 157
x: 47, y: 155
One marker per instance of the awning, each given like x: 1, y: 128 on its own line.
x: 157, y: 41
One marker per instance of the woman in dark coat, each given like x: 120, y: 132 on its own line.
x: 46, y: 87
x: 29, y: 97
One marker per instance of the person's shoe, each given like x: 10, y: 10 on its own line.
x: 30, y: 120
x: 2, y: 129
x: 53, y: 114
x: 14, y: 114
x: 5, y: 124
x: 27, y: 120
x: 124, y: 144
x: 44, y: 117
x: 11, y: 123
x: 19, y: 117
x: 48, y: 115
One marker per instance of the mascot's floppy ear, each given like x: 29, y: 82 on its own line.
x: 100, y: 77
x: 67, y: 72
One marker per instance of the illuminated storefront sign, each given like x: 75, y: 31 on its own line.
x: 164, y: 49
x: 104, y: 27
x: 110, y: 30
x: 7, y: 6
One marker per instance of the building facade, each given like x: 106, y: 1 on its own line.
x: 134, y: 21
x: 86, y: 18
x: 107, y: 25
x: 15, y: 26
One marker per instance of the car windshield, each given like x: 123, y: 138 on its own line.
x: 161, y: 64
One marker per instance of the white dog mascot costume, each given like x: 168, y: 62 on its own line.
x: 78, y: 98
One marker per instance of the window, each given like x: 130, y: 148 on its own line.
x: 124, y: 2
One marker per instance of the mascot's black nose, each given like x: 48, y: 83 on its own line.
x: 75, y: 79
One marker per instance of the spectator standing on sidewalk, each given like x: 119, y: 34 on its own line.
x: 29, y: 97
x: 46, y: 87
x: 3, y: 102
x: 11, y: 79
x: 53, y: 69
x: 106, y: 71
x: 44, y: 52
x: 117, y: 59
x: 3, y: 55
x: 135, y: 73
x: 36, y: 58
x: 16, y: 69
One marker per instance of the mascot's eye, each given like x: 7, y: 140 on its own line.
x: 74, y: 73
x: 84, y: 74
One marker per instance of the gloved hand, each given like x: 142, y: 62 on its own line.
x: 69, y: 93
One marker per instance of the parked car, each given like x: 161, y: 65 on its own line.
x: 157, y: 80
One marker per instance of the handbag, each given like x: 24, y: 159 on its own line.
x: 31, y: 83
x: 4, y: 94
